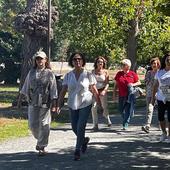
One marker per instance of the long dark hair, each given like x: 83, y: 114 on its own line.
x: 163, y: 65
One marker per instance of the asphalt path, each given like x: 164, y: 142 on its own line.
x: 109, y: 148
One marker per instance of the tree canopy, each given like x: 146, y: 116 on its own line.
x: 95, y: 27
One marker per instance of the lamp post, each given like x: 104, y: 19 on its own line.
x: 49, y: 30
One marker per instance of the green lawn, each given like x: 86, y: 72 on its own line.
x: 8, y: 94
x: 12, y: 128
x: 18, y: 127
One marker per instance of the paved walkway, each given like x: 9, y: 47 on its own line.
x: 109, y: 148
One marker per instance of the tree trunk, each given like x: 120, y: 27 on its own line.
x: 33, y: 24
x: 132, y: 43
x: 30, y: 46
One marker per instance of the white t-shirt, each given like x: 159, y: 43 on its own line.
x: 79, y: 95
x: 163, y: 78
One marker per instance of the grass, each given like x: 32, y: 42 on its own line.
x: 13, y: 128
x: 7, y: 94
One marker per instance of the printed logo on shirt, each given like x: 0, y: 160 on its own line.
x: 165, y: 85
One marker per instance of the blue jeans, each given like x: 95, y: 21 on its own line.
x: 126, y: 109
x: 78, y: 122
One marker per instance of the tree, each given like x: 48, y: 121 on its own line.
x: 113, y: 28
x: 33, y: 23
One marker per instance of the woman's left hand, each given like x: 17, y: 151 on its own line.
x: 102, y: 93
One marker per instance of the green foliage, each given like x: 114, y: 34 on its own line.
x: 154, y: 35
x: 96, y: 27
x: 164, y: 7
x: 10, y: 46
x: 100, y: 27
x: 8, y: 11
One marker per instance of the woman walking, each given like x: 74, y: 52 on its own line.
x: 41, y: 91
x: 102, y: 78
x: 162, y: 88
x: 149, y: 80
x: 80, y: 85
x: 125, y: 80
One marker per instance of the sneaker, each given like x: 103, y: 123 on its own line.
x: 109, y: 123
x: 145, y: 129
x: 125, y: 126
x: 95, y: 128
x: 77, y: 155
x: 84, y: 146
x: 163, y: 137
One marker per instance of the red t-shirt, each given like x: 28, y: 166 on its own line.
x: 123, y: 79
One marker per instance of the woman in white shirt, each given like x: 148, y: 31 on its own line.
x: 102, y: 78
x: 162, y: 87
x: 80, y: 85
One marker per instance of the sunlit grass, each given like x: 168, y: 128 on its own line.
x: 8, y: 94
x: 8, y: 88
x: 12, y: 128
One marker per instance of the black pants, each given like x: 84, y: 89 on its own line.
x: 162, y: 107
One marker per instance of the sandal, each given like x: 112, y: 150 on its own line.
x: 41, y: 150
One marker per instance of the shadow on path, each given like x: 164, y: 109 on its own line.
x: 135, y: 154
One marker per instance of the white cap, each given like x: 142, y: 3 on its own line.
x: 40, y: 54
x: 126, y: 61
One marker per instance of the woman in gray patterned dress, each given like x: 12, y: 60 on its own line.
x: 149, y: 80
x: 41, y: 91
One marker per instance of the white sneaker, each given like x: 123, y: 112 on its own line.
x: 163, y: 137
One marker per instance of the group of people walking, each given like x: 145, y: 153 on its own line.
x: 87, y: 91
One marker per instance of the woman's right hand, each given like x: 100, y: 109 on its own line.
x: 58, y: 110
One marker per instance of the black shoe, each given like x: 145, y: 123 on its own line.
x: 77, y: 155
x: 145, y: 129
x: 84, y: 146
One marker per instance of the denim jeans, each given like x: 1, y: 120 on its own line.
x: 78, y: 122
x: 126, y: 109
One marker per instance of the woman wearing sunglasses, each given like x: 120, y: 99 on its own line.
x: 80, y: 85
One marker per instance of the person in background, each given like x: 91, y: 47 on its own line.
x: 80, y: 85
x: 102, y: 78
x: 41, y: 91
x: 149, y: 79
x: 161, y: 86
x: 123, y: 80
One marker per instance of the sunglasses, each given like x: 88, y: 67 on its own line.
x: 100, y: 62
x: 77, y: 59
